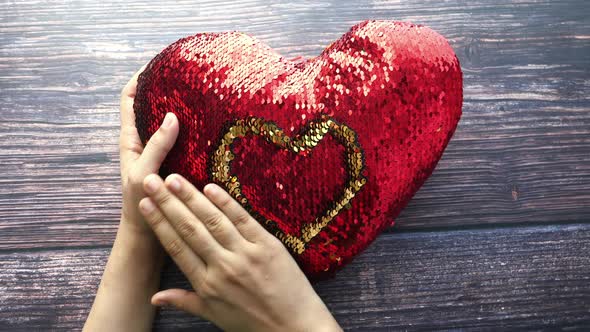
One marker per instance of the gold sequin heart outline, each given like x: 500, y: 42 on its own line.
x: 302, y: 143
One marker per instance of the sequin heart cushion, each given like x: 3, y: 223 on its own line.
x: 324, y: 152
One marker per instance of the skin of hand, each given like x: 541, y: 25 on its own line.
x: 243, y: 278
x: 132, y: 273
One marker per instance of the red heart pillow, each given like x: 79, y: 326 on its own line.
x: 323, y: 152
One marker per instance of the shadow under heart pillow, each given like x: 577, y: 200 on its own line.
x: 324, y: 152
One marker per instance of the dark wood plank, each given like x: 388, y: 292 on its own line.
x: 533, y: 277
x: 520, y: 155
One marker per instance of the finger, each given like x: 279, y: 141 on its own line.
x: 127, y: 97
x: 130, y: 143
x: 159, y: 145
x: 218, y: 224
x: 188, y: 262
x: 181, y: 299
x: 249, y: 227
x: 188, y: 227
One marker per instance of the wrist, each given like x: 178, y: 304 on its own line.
x: 130, y: 279
x: 327, y: 323
x: 329, y: 326
x: 317, y: 317
x: 134, y: 222
x: 140, y: 246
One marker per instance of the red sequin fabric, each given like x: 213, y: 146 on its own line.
x: 324, y: 152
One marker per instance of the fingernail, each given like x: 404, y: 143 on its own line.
x: 212, y: 189
x: 175, y: 184
x: 167, y: 120
x: 152, y: 184
x: 146, y: 205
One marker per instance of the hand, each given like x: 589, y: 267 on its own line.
x: 138, y: 161
x: 132, y: 273
x: 243, y: 277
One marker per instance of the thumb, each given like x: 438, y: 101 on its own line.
x: 159, y: 145
x: 181, y: 299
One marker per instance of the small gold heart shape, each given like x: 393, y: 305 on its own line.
x: 301, y: 144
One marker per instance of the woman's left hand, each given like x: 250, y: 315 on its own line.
x: 138, y: 161
x: 132, y: 274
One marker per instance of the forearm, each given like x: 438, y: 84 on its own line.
x: 131, y: 277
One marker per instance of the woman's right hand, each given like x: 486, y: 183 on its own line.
x: 244, y: 279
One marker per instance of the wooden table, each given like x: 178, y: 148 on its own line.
x: 497, y: 238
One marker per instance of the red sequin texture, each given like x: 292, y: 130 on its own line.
x: 324, y: 152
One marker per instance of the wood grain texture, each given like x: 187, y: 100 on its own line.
x: 521, y: 153
x: 534, y: 277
